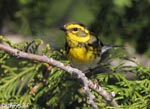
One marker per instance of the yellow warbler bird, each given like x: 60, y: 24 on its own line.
x: 83, y: 49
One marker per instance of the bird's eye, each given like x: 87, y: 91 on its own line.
x: 75, y: 29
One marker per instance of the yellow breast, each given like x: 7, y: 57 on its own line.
x: 82, y: 58
x: 81, y: 54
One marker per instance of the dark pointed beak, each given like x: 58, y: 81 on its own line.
x: 63, y: 29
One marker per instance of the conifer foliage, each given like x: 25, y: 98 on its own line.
x: 38, y: 85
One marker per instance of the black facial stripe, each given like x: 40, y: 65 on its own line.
x: 81, y: 24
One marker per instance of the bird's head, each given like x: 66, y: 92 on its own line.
x: 76, y: 32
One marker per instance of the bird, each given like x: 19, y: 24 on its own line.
x: 83, y: 48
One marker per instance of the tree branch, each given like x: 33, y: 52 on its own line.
x: 73, y: 71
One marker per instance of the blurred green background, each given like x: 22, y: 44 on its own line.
x: 121, y: 22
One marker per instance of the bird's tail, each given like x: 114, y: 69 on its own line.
x: 105, y: 48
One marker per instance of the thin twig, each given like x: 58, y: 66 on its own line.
x: 73, y: 71
x: 35, y: 88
